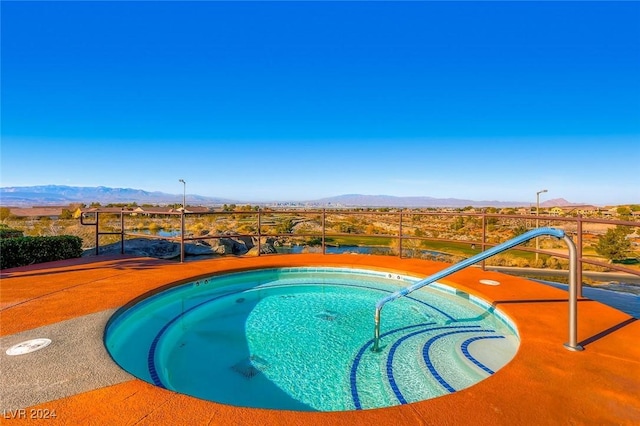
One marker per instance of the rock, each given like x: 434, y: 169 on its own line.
x: 264, y: 249
x: 161, y: 249
x: 228, y: 246
x: 197, y: 249
x: 268, y: 249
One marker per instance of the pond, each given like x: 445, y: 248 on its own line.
x: 345, y: 249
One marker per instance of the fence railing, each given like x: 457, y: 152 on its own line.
x: 405, y: 229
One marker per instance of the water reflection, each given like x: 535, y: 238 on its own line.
x: 158, y: 232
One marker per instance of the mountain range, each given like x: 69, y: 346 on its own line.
x: 63, y: 195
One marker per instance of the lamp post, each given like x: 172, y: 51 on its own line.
x: 537, y: 221
x: 184, y: 193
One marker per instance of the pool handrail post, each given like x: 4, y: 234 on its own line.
x: 558, y: 233
x: 574, y: 285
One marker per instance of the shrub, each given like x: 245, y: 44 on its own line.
x: 521, y: 262
x: 614, y: 245
x: 10, y: 233
x: 23, y: 251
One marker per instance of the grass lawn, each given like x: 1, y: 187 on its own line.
x: 359, y: 241
x: 458, y: 249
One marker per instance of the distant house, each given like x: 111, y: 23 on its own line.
x: 153, y: 210
x: 582, y: 210
x: 38, y: 212
x: 91, y: 210
x: 556, y: 211
x: 163, y: 210
x: 196, y: 209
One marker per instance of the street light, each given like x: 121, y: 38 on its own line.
x: 537, y: 221
x: 184, y: 194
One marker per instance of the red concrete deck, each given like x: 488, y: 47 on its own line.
x: 544, y: 384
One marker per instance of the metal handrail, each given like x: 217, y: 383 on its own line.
x: 573, y: 282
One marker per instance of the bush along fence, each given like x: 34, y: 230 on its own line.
x: 22, y: 251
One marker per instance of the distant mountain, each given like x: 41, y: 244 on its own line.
x: 359, y: 200
x: 556, y: 202
x: 64, y: 195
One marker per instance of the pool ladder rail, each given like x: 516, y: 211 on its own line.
x: 572, y: 345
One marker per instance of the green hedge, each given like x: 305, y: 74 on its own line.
x: 23, y: 251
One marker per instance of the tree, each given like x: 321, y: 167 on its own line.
x: 285, y: 227
x: 458, y: 223
x: 623, y: 211
x: 614, y: 245
x: 519, y: 230
x: 5, y: 213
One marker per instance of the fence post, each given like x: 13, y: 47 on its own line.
x: 97, y: 233
x: 324, y: 229
x: 400, y: 237
x: 182, y: 236
x: 122, y: 231
x: 259, y: 230
x: 579, y: 254
x: 484, y: 235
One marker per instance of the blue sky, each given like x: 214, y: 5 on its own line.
x: 258, y: 101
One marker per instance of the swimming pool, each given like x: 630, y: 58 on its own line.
x: 301, y: 338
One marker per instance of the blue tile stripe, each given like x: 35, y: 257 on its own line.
x: 427, y: 358
x: 465, y: 350
x: 354, y: 367
x: 432, y: 370
x: 390, y: 377
x: 356, y: 362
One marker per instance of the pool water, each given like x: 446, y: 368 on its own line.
x: 301, y: 338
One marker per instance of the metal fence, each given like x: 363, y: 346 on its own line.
x: 405, y: 229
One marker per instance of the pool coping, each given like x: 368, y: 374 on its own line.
x: 544, y: 384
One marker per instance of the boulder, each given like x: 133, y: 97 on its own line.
x: 161, y: 249
x: 196, y: 249
x: 229, y: 246
x: 265, y: 248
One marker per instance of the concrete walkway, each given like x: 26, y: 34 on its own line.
x: 69, y: 302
